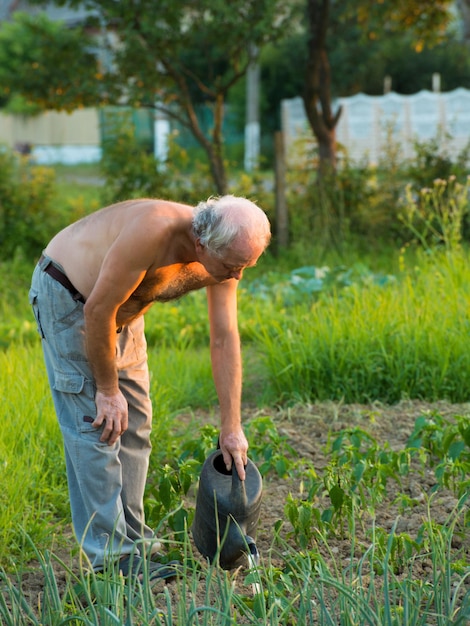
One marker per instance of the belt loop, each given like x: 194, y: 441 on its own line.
x: 44, y: 262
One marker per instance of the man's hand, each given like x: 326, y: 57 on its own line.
x: 111, y: 410
x: 234, y: 448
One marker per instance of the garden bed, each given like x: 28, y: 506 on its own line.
x: 310, y: 431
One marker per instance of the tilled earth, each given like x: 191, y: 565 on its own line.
x: 306, y: 429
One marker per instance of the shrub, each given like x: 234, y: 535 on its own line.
x: 132, y: 171
x: 433, y: 161
x: 27, y: 216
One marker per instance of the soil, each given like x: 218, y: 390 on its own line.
x: 307, y: 429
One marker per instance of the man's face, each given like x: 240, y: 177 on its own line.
x: 232, y: 262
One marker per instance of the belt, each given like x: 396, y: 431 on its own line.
x: 61, y: 278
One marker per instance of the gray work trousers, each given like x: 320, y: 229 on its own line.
x: 106, y: 483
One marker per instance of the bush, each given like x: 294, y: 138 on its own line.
x: 27, y: 217
x: 132, y: 171
x: 362, y: 203
x: 433, y: 161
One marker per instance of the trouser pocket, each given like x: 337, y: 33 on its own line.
x: 33, y: 300
x: 74, y: 398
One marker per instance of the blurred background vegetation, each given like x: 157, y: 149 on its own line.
x: 108, y: 54
x: 349, y: 224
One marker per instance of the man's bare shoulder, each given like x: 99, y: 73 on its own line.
x: 142, y: 218
x: 142, y: 208
x: 159, y: 225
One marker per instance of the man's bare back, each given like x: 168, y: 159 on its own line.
x: 166, y: 259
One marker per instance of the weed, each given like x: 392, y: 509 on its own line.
x: 436, y: 215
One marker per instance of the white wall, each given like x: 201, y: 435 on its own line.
x: 367, y: 123
x: 55, y: 136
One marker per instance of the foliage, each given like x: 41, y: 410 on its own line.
x: 370, y: 203
x: 433, y: 161
x: 372, y: 340
x: 358, y: 64
x: 46, y: 64
x: 155, y: 60
x: 373, y: 18
x: 381, y: 583
x: 173, y: 472
x: 428, y: 23
x: 270, y: 450
x: 448, y: 446
x: 26, y: 193
x: 130, y: 171
x: 34, y: 205
x: 356, y: 477
x: 162, y: 63
x: 411, y: 70
x: 278, y: 81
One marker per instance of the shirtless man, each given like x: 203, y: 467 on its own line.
x: 90, y: 289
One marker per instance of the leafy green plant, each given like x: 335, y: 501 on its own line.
x: 448, y: 445
x: 173, y: 471
x: 369, y: 464
x: 433, y: 161
x: 397, y: 548
x: 269, y: 448
x: 305, y: 516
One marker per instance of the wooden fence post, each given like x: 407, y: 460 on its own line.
x: 282, y: 218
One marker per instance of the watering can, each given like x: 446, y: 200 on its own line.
x: 227, y: 512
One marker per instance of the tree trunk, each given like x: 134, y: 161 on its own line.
x: 216, y: 153
x: 213, y: 147
x: 217, y: 167
x: 317, y: 90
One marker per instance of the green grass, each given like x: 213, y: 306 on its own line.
x: 367, y: 340
x: 33, y: 495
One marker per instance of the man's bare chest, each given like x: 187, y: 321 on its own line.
x: 171, y: 282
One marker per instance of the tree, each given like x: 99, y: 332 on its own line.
x: 426, y: 20
x: 45, y: 64
x: 172, y: 55
x: 317, y: 86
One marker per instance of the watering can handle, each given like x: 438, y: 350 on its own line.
x: 236, y: 482
x: 238, y: 492
x: 235, y: 472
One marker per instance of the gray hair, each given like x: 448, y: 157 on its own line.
x: 219, y: 221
